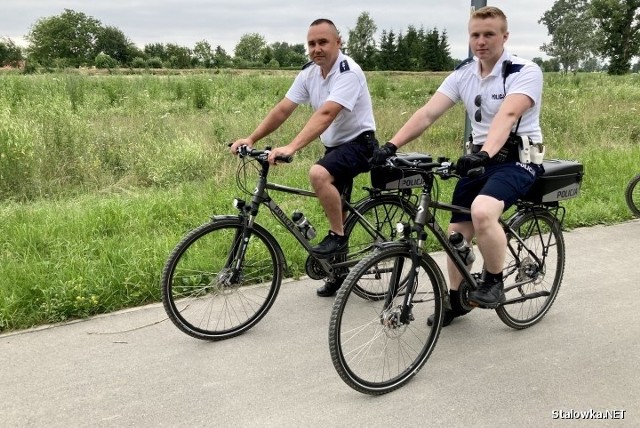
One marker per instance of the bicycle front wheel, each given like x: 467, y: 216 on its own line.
x: 531, y: 286
x: 211, y: 289
x: 374, y: 349
x: 632, y: 195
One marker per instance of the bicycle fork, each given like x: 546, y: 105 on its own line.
x: 403, y: 315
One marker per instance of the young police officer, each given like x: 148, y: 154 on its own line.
x: 336, y: 88
x: 502, y: 95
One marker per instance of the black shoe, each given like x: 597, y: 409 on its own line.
x: 448, y: 318
x: 450, y: 314
x: 488, y: 295
x: 330, y: 287
x: 330, y: 245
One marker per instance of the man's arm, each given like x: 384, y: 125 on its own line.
x: 316, y: 125
x: 512, y: 108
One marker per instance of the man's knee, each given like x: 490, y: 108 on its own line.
x: 318, y: 176
x: 486, y: 210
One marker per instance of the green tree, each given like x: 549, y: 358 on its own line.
x: 361, y: 45
x: 10, y: 54
x: 112, y: 42
x: 388, y: 51
x: 179, y: 56
x: 570, y: 25
x: 410, y: 50
x: 250, y: 48
x: 220, y: 58
x: 203, y: 54
x: 69, y: 38
x: 618, y: 23
x: 289, y: 55
x: 156, y: 50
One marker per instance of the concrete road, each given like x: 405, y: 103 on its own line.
x: 134, y: 368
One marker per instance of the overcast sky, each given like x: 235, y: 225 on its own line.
x: 223, y: 22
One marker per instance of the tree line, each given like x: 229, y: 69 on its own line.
x: 585, y: 34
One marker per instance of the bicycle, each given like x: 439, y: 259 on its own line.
x: 222, y: 278
x: 379, y: 344
x: 632, y: 195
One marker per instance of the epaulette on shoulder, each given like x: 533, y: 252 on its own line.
x: 464, y: 63
x: 307, y: 65
x: 344, y: 66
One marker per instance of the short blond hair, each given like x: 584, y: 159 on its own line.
x: 491, y: 12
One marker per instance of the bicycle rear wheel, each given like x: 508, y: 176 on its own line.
x: 372, y: 349
x: 532, y: 287
x: 383, y: 213
x: 208, y: 292
x: 632, y: 195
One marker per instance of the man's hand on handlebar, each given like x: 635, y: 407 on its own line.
x: 381, y: 154
x: 280, y: 152
x: 238, y: 143
x: 471, y: 161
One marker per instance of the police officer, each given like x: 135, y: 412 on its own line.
x: 502, y: 95
x: 336, y: 88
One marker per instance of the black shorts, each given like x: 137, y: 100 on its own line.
x: 346, y: 161
x: 506, y: 182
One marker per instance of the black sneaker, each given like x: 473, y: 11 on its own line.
x: 448, y: 318
x: 488, y: 295
x: 330, y: 245
x: 330, y: 287
x: 450, y: 314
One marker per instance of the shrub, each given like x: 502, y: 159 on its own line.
x: 105, y: 61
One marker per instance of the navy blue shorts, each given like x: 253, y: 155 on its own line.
x: 506, y: 182
x: 346, y: 161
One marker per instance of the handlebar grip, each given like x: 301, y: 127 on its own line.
x: 285, y: 159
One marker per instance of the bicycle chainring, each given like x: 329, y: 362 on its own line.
x: 314, y: 269
x: 463, y: 293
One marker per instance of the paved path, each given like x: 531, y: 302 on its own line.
x: 134, y: 368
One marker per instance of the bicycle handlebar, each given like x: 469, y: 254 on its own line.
x: 261, y: 155
x: 442, y: 167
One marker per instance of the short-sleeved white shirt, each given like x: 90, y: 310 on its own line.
x: 346, y: 85
x: 465, y: 84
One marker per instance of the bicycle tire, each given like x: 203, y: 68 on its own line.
x: 632, y: 195
x: 371, y: 353
x: 384, y: 212
x: 542, y: 233
x: 197, y: 292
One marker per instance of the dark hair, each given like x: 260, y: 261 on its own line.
x: 323, y: 21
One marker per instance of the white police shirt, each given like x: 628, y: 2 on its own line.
x: 346, y: 85
x: 466, y: 84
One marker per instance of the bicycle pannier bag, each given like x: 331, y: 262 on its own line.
x: 561, y: 180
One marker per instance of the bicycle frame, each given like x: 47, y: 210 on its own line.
x: 261, y: 197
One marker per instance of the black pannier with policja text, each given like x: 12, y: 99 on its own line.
x: 561, y: 180
x: 389, y: 178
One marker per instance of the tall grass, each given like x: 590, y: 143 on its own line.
x: 100, y: 176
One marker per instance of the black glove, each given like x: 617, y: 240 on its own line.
x: 381, y: 154
x: 474, y: 160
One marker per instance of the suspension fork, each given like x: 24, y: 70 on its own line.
x: 247, y: 216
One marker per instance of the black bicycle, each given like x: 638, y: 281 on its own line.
x: 632, y: 195
x: 379, y: 344
x: 224, y: 276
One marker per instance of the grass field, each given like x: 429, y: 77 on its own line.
x: 100, y: 176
